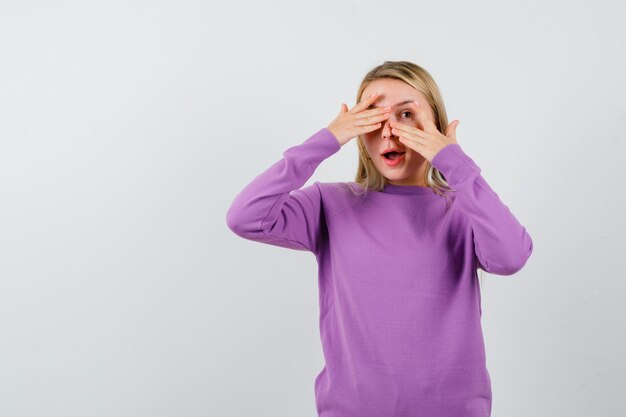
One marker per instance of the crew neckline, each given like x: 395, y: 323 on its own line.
x: 406, y: 189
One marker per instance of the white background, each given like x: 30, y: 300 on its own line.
x: 127, y: 128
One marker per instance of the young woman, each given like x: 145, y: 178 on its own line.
x: 398, y: 251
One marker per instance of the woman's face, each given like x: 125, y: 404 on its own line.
x: 411, y: 170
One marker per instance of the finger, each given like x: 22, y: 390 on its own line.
x: 451, y: 127
x: 412, y: 143
x: 422, y: 114
x: 398, y: 128
x: 404, y: 133
x: 451, y: 133
x: 362, y: 121
x: 373, y: 112
x: 363, y: 104
x: 368, y: 128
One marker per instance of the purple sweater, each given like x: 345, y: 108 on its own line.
x: 399, y: 297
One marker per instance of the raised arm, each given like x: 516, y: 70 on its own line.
x: 273, y: 209
x: 501, y: 244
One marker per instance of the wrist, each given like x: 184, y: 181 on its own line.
x: 338, y: 139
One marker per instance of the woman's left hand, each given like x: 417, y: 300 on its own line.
x: 429, y: 141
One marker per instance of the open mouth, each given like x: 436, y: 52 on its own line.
x: 393, y: 155
x: 393, y: 158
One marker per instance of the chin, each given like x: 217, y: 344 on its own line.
x: 394, y: 175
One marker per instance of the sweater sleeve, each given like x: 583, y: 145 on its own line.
x: 274, y: 209
x: 501, y: 244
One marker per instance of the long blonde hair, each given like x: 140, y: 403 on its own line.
x: 367, y: 176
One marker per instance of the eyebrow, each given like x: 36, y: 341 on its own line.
x: 395, y: 105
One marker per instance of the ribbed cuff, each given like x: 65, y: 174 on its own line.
x: 316, y: 148
x: 455, y: 164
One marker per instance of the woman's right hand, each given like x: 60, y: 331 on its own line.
x: 358, y: 120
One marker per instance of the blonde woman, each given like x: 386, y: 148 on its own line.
x: 398, y: 251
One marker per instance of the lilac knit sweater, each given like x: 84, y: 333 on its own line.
x: 399, y: 298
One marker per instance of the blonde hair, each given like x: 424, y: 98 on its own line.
x: 367, y: 176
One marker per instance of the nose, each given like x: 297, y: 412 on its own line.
x: 387, y: 129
